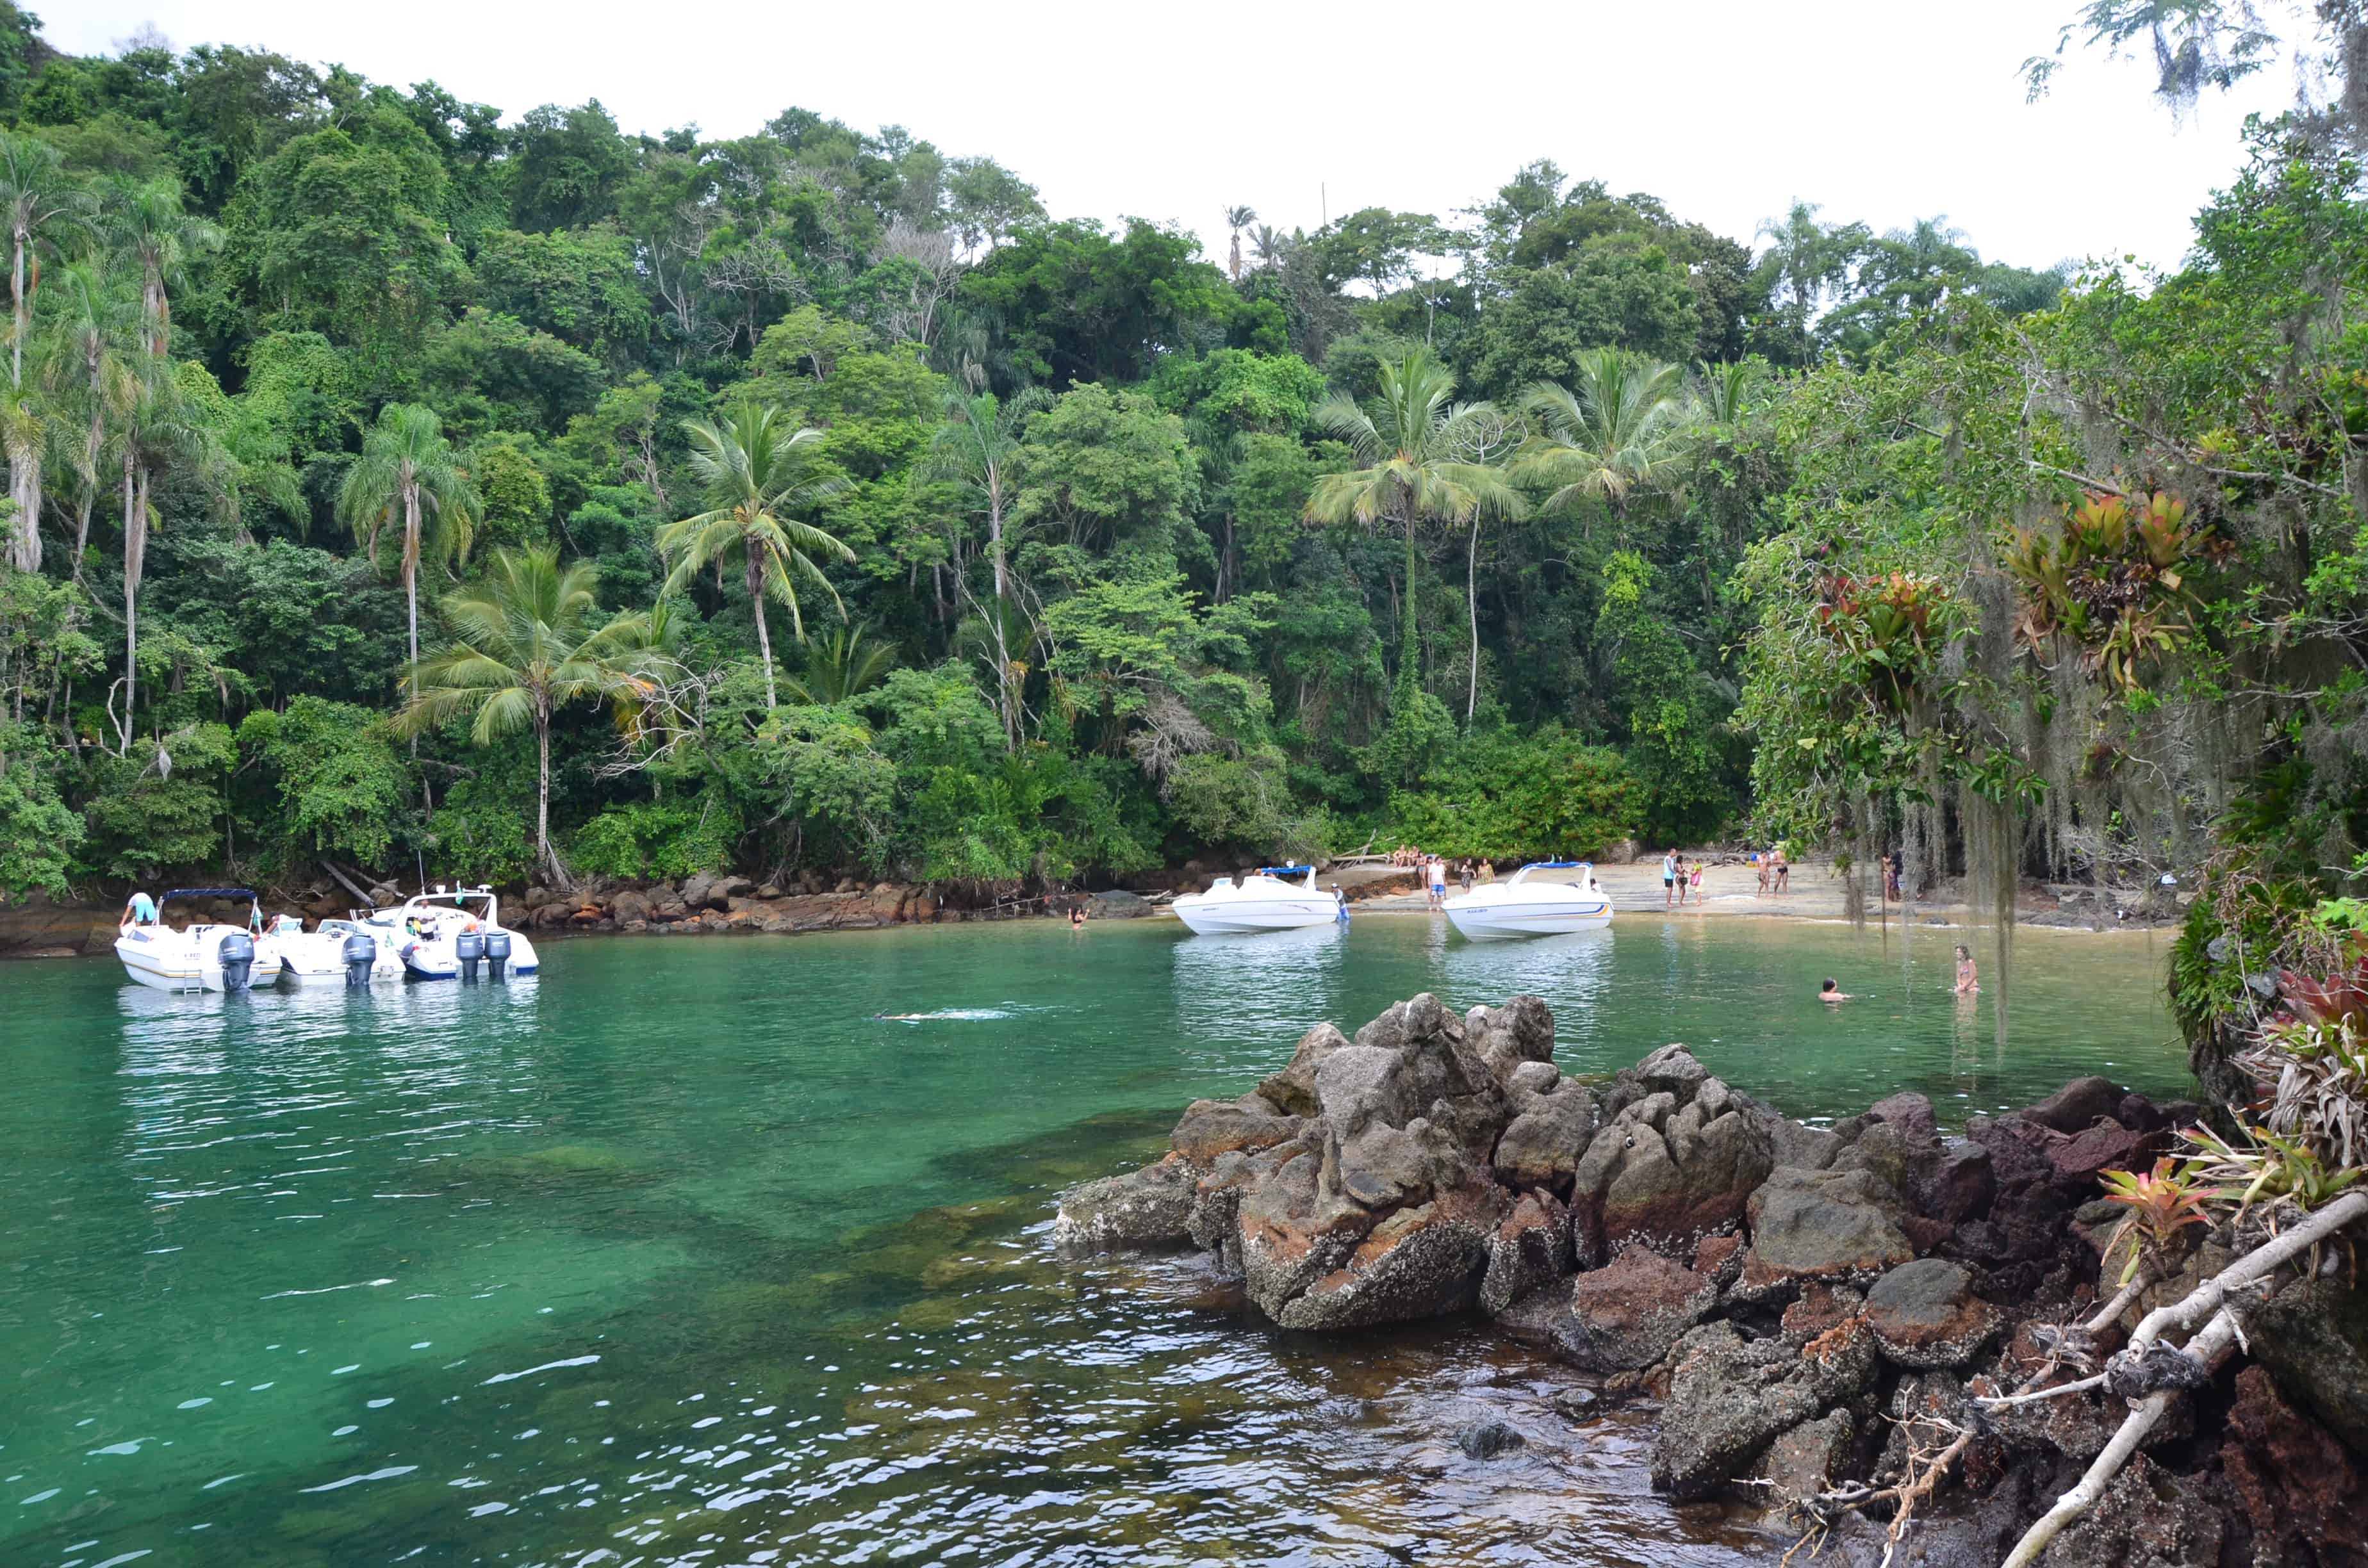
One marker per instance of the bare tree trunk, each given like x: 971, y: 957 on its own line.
x: 1471, y: 601
x: 1003, y: 699
x: 136, y: 559
x: 764, y: 633
x: 25, y: 489
x: 16, y: 299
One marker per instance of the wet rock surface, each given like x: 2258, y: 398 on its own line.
x: 1805, y: 1310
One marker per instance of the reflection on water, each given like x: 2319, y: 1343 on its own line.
x: 678, y: 1253
x: 1272, y: 985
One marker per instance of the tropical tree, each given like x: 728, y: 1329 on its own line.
x: 844, y: 663
x: 523, y: 646
x: 161, y: 428
x: 408, y: 477
x: 151, y: 233
x: 26, y: 431
x: 974, y: 449
x: 40, y: 205
x: 1236, y: 219
x: 1622, y: 426
x: 92, y: 373
x: 1411, y: 444
x: 755, y: 471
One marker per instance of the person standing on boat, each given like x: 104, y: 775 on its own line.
x: 139, y: 910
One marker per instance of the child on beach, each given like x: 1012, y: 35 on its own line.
x: 1697, y: 881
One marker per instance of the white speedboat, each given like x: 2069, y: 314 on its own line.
x: 1261, y: 901
x: 446, y: 934
x: 206, y: 956
x: 1523, y: 906
x: 338, y: 952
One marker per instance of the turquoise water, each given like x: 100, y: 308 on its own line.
x: 678, y: 1254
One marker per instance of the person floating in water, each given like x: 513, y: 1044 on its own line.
x: 1968, y: 982
x: 900, y: 1017
x: 1831, y: 991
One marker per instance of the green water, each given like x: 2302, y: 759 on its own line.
x: 675, y: 1253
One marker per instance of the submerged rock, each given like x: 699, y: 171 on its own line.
x: 1149, y: 1208
x: 1486, y: 1440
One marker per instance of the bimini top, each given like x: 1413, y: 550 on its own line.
x: 1284, y: 870
x: 1587, y: 866
x: 206, y: 893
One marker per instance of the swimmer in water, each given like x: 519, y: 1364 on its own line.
x: 900, y: 1017
x: 1832, y: 991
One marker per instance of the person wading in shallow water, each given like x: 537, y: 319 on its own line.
x: 1831, y: 991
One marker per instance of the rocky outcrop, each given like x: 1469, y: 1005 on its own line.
x: 1814, y: 1309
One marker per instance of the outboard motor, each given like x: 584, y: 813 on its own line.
x: 237, y: 955
x: 469, y: 946
x: 497, y: 953
x: 361, y: 956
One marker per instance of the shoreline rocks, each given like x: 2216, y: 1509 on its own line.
x: 1812, y: 1307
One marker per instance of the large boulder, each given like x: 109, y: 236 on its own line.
x: 2302, y: 1491
x: 1211, y: 1128
x: 1827, y: 1226
x: 1727, y: 1397
x: 1666, y: 1175
x: 2312, y: 1337
x: 1504, y: 1037
x: 1530, y: 1250
x: 1626, y: 1315
x: 1116, y: 904
x: 1926, y: 1316
x: 1289, y: 1236
x: 2076, y: 1105
x: 1141, y: 1209
x: 1418, y: 1263
x: 1292, y: 1090
x: 1541, y: 1145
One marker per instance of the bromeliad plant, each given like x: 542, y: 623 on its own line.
x: 2156, y: 1207
x: 1892, y: 625
x: 2114, y: 580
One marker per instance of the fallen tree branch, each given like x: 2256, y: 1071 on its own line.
x: 2209, y: 1300
x: 2033, y: 1397
x: 2207, y: 1347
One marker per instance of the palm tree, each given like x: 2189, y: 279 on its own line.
x: 1620, y: 427
x: 92, y: 369
x: 38, y: 205
x: 160, y: 428
x: 153, y: 234
x: 843, y: 664
x: 25, y: 429
x: 974, y: 449
x: 756, y: 471
x: 523, y: 646
x: 408, y: 477
x: 1237, y: 219
x: 1410, y: 443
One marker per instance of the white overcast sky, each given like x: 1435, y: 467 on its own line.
x: 1882, y: 110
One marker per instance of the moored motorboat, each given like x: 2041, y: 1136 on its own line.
x: 337, y: 952
x: 448, y: 933
x: 205, y: 956
x: 1261, y: 901
x: 1521, y: 906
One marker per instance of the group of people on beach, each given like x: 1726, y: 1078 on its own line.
x: 1437, y: 873
x: 1679, y: 875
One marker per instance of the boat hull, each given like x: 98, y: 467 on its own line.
x: 1528, y: 918
x: 167, y: 964
x: 1248, y: 918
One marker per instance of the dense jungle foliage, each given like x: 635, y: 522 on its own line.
x: 403, y: 486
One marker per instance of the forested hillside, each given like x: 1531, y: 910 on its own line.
x: 417, y: 483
